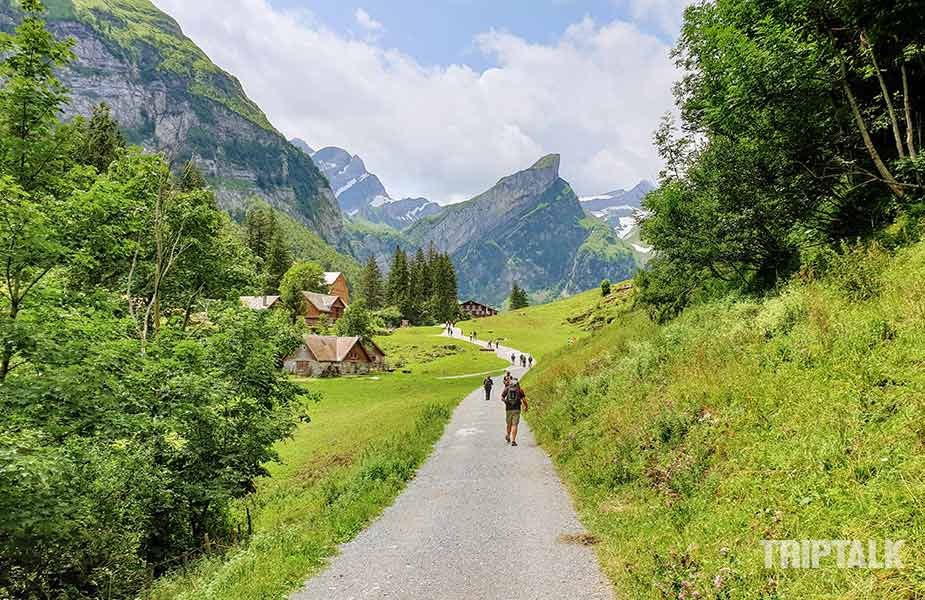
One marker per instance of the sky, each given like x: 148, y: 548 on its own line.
x: 441, y: 98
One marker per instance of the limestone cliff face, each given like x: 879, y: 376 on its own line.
x: 168, y: 96
x: 530, y: 229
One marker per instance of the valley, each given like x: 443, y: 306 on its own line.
x: 238, y: 363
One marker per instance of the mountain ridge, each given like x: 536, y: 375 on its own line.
x: 528, y: 228
x: 169, y: 96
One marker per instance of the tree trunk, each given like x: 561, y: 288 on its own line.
x: 907, y: 101
x: 897, y: 136
x: 6, y: 358
x: 865, y: 134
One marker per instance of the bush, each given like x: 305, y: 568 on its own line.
x: 605, y: 288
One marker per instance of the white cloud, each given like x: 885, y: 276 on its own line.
x: 450, y: 132
x: 665, y: 15
x: 367, y: 22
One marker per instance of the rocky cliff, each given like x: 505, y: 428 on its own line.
x: 531, y: 229
x: 169, y: 96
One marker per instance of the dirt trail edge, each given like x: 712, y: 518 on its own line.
x: 480, y: 520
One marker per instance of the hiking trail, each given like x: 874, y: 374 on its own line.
x: 480, y: 520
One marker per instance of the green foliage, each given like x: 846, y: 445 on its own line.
x: 792, y: 138
x: 605, y: 288
x: 371, y: 285
x: 301, y: 277
x: 136, y: 412
x: 519, y: 298
x: 358, y: 321
x: 102, y: 142
x: 424, y: 289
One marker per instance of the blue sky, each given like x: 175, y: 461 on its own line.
x: 442, y: 33
x: 441, y: 98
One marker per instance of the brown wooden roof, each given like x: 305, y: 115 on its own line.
x: 323, y: 302
x: 329, y: 348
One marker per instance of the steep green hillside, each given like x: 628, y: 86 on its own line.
x: 797, y: 417
x: 168, y: 95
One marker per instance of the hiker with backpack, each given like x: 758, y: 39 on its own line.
x: 488, y: 384
x: 514, y: 400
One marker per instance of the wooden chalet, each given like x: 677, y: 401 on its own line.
x: 337, y: 286
x: 330, y: 356
x: 318, y: 306
x: 477, y: 310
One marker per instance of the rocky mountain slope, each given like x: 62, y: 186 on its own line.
x: 361, y: 194
x: 529, y: 228
x: 618, y: 198
x: 169, y: 96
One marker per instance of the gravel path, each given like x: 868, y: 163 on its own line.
x: 481, y: 520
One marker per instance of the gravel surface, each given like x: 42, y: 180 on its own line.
x: 482, y: 520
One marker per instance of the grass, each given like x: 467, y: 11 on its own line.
x: 796, y: 417
x: 544, y: 329
x: 366, y: 439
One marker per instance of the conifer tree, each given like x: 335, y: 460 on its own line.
x: 371, y: 285
x: 398, y: 291
x: 519, y: 298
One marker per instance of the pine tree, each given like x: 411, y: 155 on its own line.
x: 101, y: 140
x: 519, y: 298
x: 278, y: 259
x: 420, y: 288
x: 371, y: 285
x: 445, y: 299
x: 398, y: 291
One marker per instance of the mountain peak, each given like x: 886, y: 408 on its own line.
x: 550, y: 161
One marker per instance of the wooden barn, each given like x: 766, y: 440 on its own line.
x: 477, y: 310
x: 318, y: 306
x: 330, y: 356
x: 337, y: 286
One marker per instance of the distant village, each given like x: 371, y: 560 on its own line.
x: 334, y: 356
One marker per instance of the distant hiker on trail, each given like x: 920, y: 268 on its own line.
x: 507, y: 379
x: 523, y: 361
x: 488, y: 384
x: 530, y: 361
x: 514, y: 399
x: 513, y: 359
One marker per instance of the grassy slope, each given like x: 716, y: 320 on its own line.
x: 799, y: 417
x: 541, y: 330
x: 366, y: 440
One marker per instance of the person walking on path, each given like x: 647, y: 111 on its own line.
x: 513, y: 359
x: 514, y: 400
x: 507, y: 379
x: 488, y: 384
x: 530, y: 361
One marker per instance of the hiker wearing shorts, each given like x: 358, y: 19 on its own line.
x: 488, y: 384
x: 514, y: 400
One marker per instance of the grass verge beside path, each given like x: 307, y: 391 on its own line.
x: 366, y: 440
x: 797, y: 417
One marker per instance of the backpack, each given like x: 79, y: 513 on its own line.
x: 512, y: 397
